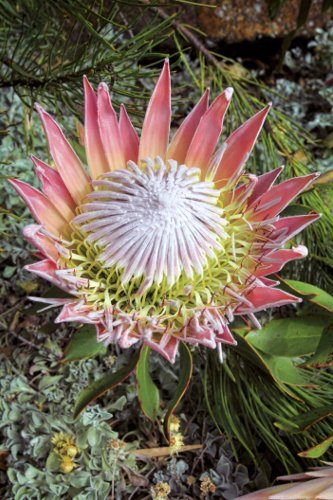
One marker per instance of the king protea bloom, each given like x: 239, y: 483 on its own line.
x: 162, y: 241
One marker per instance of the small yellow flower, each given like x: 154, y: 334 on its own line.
x: 176, y: 442
x: 174, y: 424
x: 67, y: 465
x: 64, y: 445
x: 72, y: 451
x: 207, y: 486
x: 160, y: 491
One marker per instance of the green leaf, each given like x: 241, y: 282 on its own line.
x: 185, y: 374
x: 312, y: 293
x: 53, y: 462
x: 284, y: 370
x: 104, y: 384
x: 83, y: 344
x: 306, y: 420
x: 289, y: 337
x: 318, y: 450
x: 324, y: 348
x: 147, y: 391
x: 302, y: 422
x: 94, y: 436
x: 49, y: 381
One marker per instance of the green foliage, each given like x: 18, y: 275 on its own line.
x: 248, y: 406
x: 37, y: 393
x: 289, y: 337
x: 318, y: 450
x: 324, y: 348
x: 263, y: 386
x: 47, y: 47
x: 104, y: 384
x: 323, y: 308
x: 33, y: 411
x: 147, y: 391
x: 184, y: 377
x: 83, y: 345
x: 311, y: 293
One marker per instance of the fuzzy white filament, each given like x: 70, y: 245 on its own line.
x: 153, y: 221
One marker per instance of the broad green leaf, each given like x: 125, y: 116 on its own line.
x: 147, y: 391
x: 311, y: 293
x: 318, y: 450
x: 104, y: 384
x: 289, y: 337
x: 324, y: 348
x: 185, y: 373
x: 53, y: 462
x: 268, y: 365
x: 284, y: 370
x: 83, y: 344
x: 261, y: 361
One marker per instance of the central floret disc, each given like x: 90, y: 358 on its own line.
x: 153, y: 221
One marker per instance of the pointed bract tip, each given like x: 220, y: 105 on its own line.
x: 39, y: 108
x: 165, y: 73
x: 31, y: 229
x: 103, y: 86
x: 86, y: 82
x: 302, y: 250
x: 312, y: 177
x: 228, y: 93
x: 38, y: 165
x: 12, y: 181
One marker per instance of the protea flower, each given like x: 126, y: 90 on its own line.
x: 162, y: 242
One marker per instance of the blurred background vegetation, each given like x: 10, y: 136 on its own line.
x: 243, y: 411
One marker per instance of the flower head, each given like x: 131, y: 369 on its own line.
x: 176, y: 442
x: 162, y: 242
x: 160, y: 491
x: 207, y: 486
x: 64, y: 445
x: 67, y: 465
